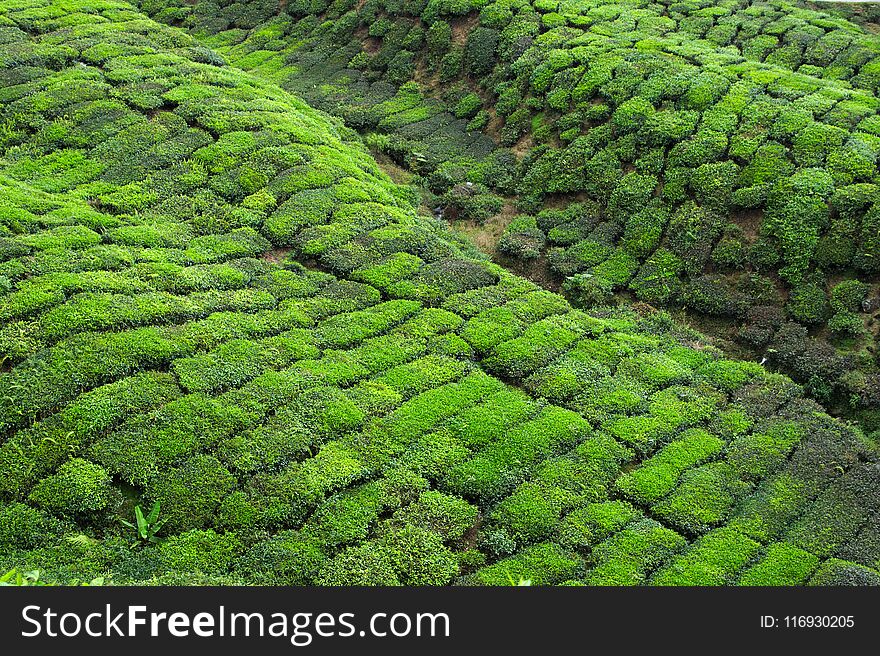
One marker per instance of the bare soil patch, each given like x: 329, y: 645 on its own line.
x: 461, y: 27
x: 276, y: 255
x: 750, y: 221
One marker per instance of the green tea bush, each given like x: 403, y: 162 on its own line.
x: 539, y: 343
x: 837, y: 514
x: 585, y: 527
x: 566, y: 376
x: 703, y: 499
x: 861, y: 548
x: 642, y: 432
x: 758, y: 454
x: 346, y: 518
x: 658, y: 475
x: 657, y: 280
x: 388, y: 437
x: 422, y: 375
x: 34, y: 452
x: 447, y: 516
x: 25, y: 527
x: 477, y: 426
x: 419, y: 556
x: 345, y: 329
x: 468, y: 106
x: 190, y: 495
x: 542, y: 564
x: 714, y: 559
x: 847, y: 324
x: 306, y: 208
x: 848, y: 296
x: 199, y: 552
x: 655, y: 370
x: 439, y: 280
x: 78, y: 488
x: 530, y: 514
x: 237, y: 361
x: 681, y: 406
x: 628, y: 557
x: 808, y: 304
x: 500, y: 466
x: 480, y: 50
x: 439, y: 39
x: 522, y: 238
x: 713, y: 183
x: 293, y: 431
x: 729, y: 375
x: 838, y: 572
x: 365, y: 564
x: 781, y: 564
x: 300, y: 487
x: 140, y: 447
x: 286, y: 558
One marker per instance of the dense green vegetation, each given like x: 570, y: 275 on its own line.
x: 717, y: 157
x: 214, y: 299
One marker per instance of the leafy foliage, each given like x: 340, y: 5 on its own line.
x: 215, y: 304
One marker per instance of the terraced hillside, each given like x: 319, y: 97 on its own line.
x: 714, y: 157
x: 214, y: 299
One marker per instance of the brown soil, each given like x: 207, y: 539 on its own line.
x: 469, y: 539
x: 372, y: 44
x: 522, y: 147
x: 493, y: 127
x: 561, y: 201
x: 461, y: 27
x: 750, y: 222
x: 872, y: 321
x: 427, y: 81
x: 644, y: 309
x: 720, y: 332
x: 276, y: 255
x: 485, y: 235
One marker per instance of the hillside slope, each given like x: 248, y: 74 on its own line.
x: 214, y: 299
x: 717, y: 157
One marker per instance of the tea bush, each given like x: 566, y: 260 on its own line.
x: 629, y: 556
x: 714, y: 559
x: 782, y: 564
x: 78, y: 488
x: 840, y: 572
x: 542, y: 564
x: 658, y: 475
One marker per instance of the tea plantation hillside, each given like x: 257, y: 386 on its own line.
x: 213, y: 299
x: 719, y: 157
